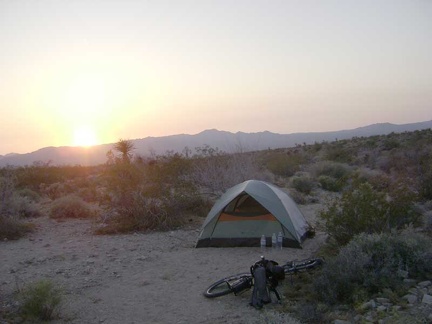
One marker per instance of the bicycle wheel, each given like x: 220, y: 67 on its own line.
x: 224, y: 286
x: 303, y: 265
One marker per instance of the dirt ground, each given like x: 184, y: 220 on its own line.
x: 137, y: 278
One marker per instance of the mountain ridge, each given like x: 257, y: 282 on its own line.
x: 223, y: 140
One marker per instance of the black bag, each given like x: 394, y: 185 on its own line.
x: 260, y: 294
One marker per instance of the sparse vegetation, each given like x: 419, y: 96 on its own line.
x: 362, y: 209
x: 12, y: 227
x: 371, y: 263
x: 303, y: 183
x: 381, y: 185
x: 13, y: 207
x: 285, y: 164
x: 40, y: 300
x: 71, y: 206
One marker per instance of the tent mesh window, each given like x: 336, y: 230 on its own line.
x: 245, y: 205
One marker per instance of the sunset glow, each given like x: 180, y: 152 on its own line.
x: 84, y: 137
x: 91, y: 72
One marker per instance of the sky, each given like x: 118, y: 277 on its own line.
x: 83, y: 72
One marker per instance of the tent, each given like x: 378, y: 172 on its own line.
x: 247, y: 211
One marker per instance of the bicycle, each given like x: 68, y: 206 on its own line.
x: 239, y: 283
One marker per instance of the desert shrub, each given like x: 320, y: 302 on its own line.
x: 70, y: 206
x: 56, y: 190
x: 372, y: 263
x: 12, y: 227
x: 220, y: 171
x: 428, y: 221
x: 330, y: 184
x: 145, y: 213
x: 298, y: 197
x: 285, y: 165
x: 331, y: 169
x: 7, y: 192
x: 31, y: 195
x: 364, y: 209
x: 378, y: 179
x: 303, y: 183
x: 40, y: 300
x: 426, y: 185
x: 390, y: 143
x: 26, y: 208
x: 12, y: 202
x: 339, y: 152
x: 153, y: 195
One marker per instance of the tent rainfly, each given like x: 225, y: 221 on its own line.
x: 247, y: 211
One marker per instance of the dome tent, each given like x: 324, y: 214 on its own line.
x: 247, y: 211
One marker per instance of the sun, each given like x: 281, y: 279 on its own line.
x: 84, y: 136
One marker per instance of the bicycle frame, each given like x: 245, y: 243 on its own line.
x: 239, y: 283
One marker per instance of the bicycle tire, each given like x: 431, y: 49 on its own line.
x: 222, y: 286
x: 303, y: 265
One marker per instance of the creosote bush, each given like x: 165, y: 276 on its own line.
x: 362, y: 209
x: 370, y: 264
x: 71, y: 206
x: 40, y: 300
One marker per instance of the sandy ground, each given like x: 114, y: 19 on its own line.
x: 137, y: 278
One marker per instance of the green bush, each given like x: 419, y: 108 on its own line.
x: 41, y: 300
x: 330, y: 184
x: 339, y: 152
x: 331, y: 169
x: 426, y: 185
x: 285, y: 165
x: 31, y: 195
x: 372, y: 263
x: 364, y: 209
x: 303, y: 183
x: 71, y: 206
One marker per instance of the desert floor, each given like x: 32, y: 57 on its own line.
x: 137, y: 278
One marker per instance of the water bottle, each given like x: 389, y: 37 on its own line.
x: 274, y: 241
x: 263, y: 243
x: 280, y: 241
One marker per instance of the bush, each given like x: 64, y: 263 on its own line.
x: 40, y: 300
x: 339, y: 152
x: 364, y: 209
x: 285, y: 165
x: 145, y: 213
x: 219, y: 172
x: 12, y: 227
x: 31, y: 195
x: 332, y: 169
x: 330, y: 184
x: 71, y: 206
x: 298, y: 197
x: 15, y: 203
x: 303, y: 183
x: 426, y: 185
x: 371, y: 263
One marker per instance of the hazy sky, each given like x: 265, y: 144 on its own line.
x: 76, y: 72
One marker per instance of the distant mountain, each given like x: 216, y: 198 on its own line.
x: 225, y: 141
